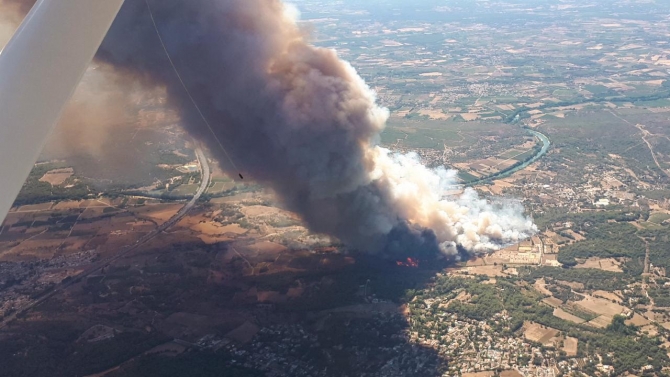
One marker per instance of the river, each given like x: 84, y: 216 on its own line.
x: 546, y: 143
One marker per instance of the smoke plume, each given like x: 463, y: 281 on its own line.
x: 98, y: 106
x: 300, y: 120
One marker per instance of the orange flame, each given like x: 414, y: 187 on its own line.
x: 410, y: 262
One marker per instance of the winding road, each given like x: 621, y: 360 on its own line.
x: 205, y: 172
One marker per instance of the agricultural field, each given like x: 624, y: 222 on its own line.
x: 57, y: 176
x: 538, y: 333
x: 562, y: 314
x: 605, y: 264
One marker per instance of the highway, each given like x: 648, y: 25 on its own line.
x: 205, y: 172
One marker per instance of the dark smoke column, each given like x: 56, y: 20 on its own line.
x: 298, y: 119
x: 292, y: 116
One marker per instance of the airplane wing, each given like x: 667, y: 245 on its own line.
x: 39, y: 70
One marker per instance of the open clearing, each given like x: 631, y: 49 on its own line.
x: 233, y: 198
x: 170, y: 349
x: 650, y: 330
x: 214, y: 229
x: 638, y: 320
x: 244, y: 333
x: 160, y: 212
x: 572, y: 284
x: 479, y: 374
x: 541, y: 287
x: 233, y: 228
x: 266, y: 247
x: 605, y: 264
x: 434, y: 114
x: 659, y: 217
x: 608, y: 296
x: 211, y: 240
x: 469, y: 117
x: 490, y: 271
x: 57, y: 176
x: 562, y: 314
x: 570, y: 346
x: 220, y: 187
x: 99, y: 203
x: 255, y: 211
x: 601, y: 322
x: 510, y: 373
x: 35, y: 207
x: 65, y: 205
x: 577, y: 236
x: 33, y: 249
x: 553, y: 302
x: 600, y: 306
x: 539, y: 333
x: 499, y: 186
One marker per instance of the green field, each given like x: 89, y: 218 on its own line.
x: 461, y: 135
x: 422, y: 133
x: 664, y: 102
x: 218, y: 187
x: 526, y: 155
x: 466, y: 177
x: 583, y: 314
x: 510, y: 153
x: 565, y: 93
x: 185, y: 190
x: 658, y: 218
x: 597, y: 90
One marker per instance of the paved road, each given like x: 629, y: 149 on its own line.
x: 204, y: 169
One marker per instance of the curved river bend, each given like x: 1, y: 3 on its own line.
x: 546, y: 143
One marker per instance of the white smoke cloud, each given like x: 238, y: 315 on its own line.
x: 422, y: 196
x: 291, y: 12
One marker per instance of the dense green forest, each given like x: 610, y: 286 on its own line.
x: 34, y: 191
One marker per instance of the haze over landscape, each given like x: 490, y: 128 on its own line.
x: 430, y: 189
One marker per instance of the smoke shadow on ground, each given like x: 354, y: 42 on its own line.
x: 359, y: 317
x: 321, y: 314
x: 348, y: 321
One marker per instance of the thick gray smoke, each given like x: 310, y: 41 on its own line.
x: 300, y: 120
